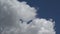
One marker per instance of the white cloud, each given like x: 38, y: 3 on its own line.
x: 15, y: 15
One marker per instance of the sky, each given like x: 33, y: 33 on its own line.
x: 47, y: 9
x: 15, y: 15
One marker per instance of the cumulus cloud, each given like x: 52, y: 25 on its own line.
x: 15, y: 15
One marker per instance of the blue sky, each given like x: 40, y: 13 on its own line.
x: 47, y: 9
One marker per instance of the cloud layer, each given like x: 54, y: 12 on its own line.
x: 15, y: 15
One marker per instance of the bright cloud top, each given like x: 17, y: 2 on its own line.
x: 15, y: 15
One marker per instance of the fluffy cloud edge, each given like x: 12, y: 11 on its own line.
x: 21, y: 10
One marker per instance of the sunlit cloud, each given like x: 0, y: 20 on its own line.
x: 15, y: 15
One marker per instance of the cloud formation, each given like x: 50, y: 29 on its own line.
x: 15, y: 15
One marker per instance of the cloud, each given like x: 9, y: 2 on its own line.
x: 15, y: 15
